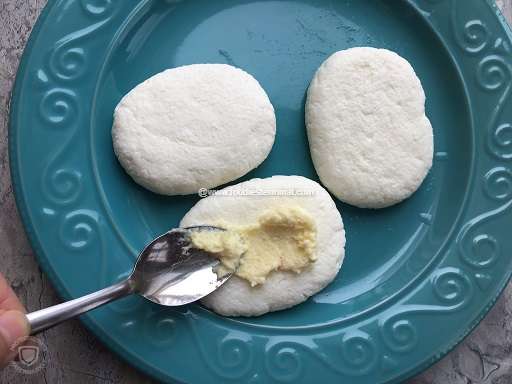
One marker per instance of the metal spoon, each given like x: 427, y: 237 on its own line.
x: 169, y: 271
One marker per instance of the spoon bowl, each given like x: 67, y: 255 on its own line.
x: 171, y: 272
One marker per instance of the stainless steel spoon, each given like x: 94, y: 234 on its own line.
x: 169, y: 271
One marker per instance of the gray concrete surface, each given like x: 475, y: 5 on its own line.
x: 75, y: 356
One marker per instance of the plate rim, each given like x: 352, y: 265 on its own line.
x: 102, y: 336
x: 430, y: 362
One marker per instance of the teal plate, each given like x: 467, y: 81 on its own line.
x: 417, y: 277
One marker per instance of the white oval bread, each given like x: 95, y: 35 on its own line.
x: 370, y: 140
x: 242, y: 204
x: 192, y: 127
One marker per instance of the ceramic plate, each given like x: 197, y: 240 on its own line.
x: 417, y: 277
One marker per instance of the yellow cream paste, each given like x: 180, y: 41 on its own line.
x: 282, y: 239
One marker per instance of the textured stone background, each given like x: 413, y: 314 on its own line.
x: 75, y: 356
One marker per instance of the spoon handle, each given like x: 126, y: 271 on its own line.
x: 48, y: 317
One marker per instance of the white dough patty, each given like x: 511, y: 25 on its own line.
x: 281, y: 289
x: 193, y: 127
x: 370, y: 140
